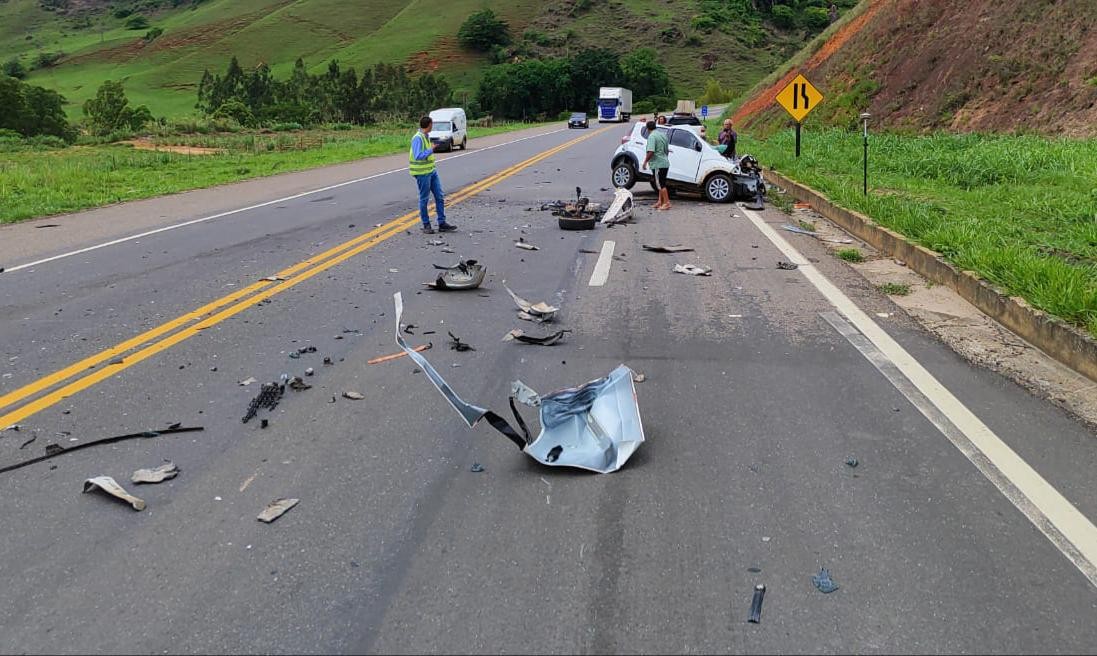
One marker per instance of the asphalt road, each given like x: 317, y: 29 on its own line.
x: 752, y: 404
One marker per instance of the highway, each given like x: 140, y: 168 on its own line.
x: 964, y: 526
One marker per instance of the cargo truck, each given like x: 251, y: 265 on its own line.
x: 614, y: 104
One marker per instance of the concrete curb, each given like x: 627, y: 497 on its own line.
x: 1051, y: 335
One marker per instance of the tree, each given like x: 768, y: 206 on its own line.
x: 14, y: 68
x: 783, y: 17
x: 590, y: 69
x: 109, y: 110
x: 33, y: 111
x: 483, y: 31
x: 816, y: 18
x: 137, y: 22
x: 645, y: 75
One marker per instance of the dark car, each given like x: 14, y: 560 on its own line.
x: 686, y: 119
x: 578, y: 120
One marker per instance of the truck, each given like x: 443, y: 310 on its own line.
x: 614, y: 104
x: 686, y: 108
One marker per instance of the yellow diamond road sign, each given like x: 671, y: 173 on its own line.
x: 799, y: 98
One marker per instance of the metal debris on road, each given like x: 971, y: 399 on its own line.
x: 620, y: 210
x: 464, y: 275
x: 677, y: 248
x: 595, y: 426
x: 823, y: 582
x: 248, y: 381
x: 547, y: 340
x: 522, y: 243
x: 353, y: 396
x: 276, y: 509
x: 394, y: 356
x: 159, y: 474
x: 692, y: 270
x: 852, y: 462
x: 53, y: 450
x: 269, y: 396
x: 787, y: 266
x: 799, y: 231
x: 756, y: 604
x: 111, y: 487
x: 536, y: 312
x: 456, y: 344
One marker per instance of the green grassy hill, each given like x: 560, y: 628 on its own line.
x: 163, y: 73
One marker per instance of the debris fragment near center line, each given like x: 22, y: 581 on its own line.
x: 548, y: 340
x: 677, y: 248
x: 110, y: 486
x: 522, y: 243
x: 692, y: 270
x: 537, y: 312
x: 456, y: 344
x: 464, y: 275
x: 276, y: 509
x: 157, y: 475
x: 595, y: 426
x: 787, y: 266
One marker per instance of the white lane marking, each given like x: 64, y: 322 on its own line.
x: 176, y: 226
x: 601, y: 268
x: 1067, y: 528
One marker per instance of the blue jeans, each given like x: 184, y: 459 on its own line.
x: 428, y: 184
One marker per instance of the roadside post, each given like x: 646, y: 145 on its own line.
x: 704, y: 111
x: 865, y: 116
x: 798, y: 98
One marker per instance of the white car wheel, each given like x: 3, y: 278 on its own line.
x: 718, y: 188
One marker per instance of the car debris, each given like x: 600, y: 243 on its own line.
x: 13, y: 427
x: 309, y: 371
x: 787, y: 266
x: 522, y: 243
x: 809, y: 233
x: 638, y: 378
x: 476, y: 468
x: 692, y: 270
x: 273, y: 279
x: 159, y: 474
x: 464, y: 275
x: 756, y: 604
x: 394, y: 356
x: 276, y: 509
x: 677, y: 248
x: 620, y: 210
x: 589, y: 251
x: 353, y: 396
x: 595, y: 426
x: 298, y: 384
x: 852, y: 462
x: 409, y: 329
x: 537, y: 312
x: 54, y: 450
x: 455, y: 344
x: 548, y: 340
x: 28, y: 442
x: 823, y: 582
x: 111, y: 487
x: 268, y: 397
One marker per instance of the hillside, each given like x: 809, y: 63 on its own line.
x: 973, y: 66
x: 163, y: 72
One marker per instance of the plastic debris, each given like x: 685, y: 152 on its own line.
x: 799, y: 231
x: 157, y: 475
x: 456, y: 344
x: 269, y: 396
x: 823, y: 582
x: 111, y: 487
x: 522, y: 243
x: 248, y: 381
x: 273, y: 279
x: 756, y: 604
x: 476, y: 468
x: 536, y: 312
x: 386, y: 358
x: 464, y: 275
x: 620, y: 210
x: 787, y: 266
x: 677, y: 248
x: 548, y: 340
x: 53, y: 450
x: 297, y: 384
x: 638, y: 378
x: 353, y: 396
x: 595, y: 426
x: 276, y: 509
x: 692, y: 270
x: 852, y: 462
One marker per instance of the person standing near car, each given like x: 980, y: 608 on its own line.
x: 658, y: 156
x: 728, y: 138
x: 422, y: 168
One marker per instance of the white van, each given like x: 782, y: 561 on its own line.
x: 450, y: 128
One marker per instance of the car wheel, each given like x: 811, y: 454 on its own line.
x: 718, y: 188
x: 624, y: 174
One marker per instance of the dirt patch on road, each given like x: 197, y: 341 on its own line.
x: 145, y: 144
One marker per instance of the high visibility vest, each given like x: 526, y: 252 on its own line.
x: 420, y: 166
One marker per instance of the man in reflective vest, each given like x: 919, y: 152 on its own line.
x: 421, y: 166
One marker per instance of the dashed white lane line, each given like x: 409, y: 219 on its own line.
x: 204, y: 219
x: 1056, y: 517
x: 601, y: 268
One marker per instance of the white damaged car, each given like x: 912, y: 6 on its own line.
x: 695, y: 166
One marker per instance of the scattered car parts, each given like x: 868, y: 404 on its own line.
x: 677, y: 248
x: 537, y: 312
x: 53, y: 450
x: 111, y: 487
x: 464, y: 275
x: 276, y: 509
x: 548, y: 340
x: 692, y: 270
x: 159, y: 474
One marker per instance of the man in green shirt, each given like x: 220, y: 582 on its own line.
x: 658, y: 155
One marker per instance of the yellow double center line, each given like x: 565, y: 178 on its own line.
x: 168, y: 334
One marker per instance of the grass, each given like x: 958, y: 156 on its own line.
x: 1020, y: 211
x: 894, y: 288
x: 850, y: 255
x: 41, y: 182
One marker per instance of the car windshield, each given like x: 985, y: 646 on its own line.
x: 579, y: 116
x: 441, y: 126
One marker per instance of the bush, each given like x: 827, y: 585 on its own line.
x: 137, y: 22
x: 704, y: 23
x: 236, y: 111
x: 47, y: 59
x: 29, y: 110
x: 693, y: 40
x: 643, y: 107
x: 816, y: 19
x: 122, y: 12
x: 482, y: 31
x: 14, y: 68
x: 783, y: 17
x: 714, y: 94
x: 153, y: 33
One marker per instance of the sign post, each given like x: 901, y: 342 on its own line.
x: 704, y: 111
x: 798, y: 98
